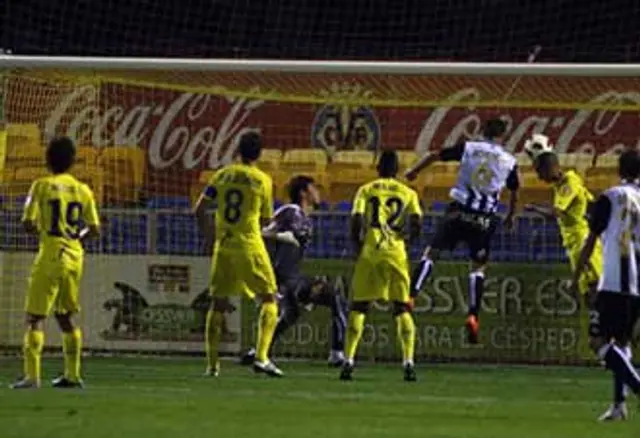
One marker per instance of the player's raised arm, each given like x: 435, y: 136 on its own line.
x: 453, y: 153
x: 31, y: 209
x: 357, y: 220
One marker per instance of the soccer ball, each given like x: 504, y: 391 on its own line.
x: 536, y: 145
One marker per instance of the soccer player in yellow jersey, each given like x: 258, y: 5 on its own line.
x: 571, y: 201
x: 240, y: 261
x: 62, y: 211
x: 383, y: 211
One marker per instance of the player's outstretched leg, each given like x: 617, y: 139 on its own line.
x: 476, y: 290
x: 616, y: 360
x: 32, y: 351
x: 339, y: 308
x: 337, y: 304
x: 266, y: 327
x: 72, y: 351
x: 355, y: 327
x: 618, y: 409
x: 406, y: 333
x: 213, y: 334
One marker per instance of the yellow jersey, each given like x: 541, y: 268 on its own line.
x: 571, y: 200
x: 61, y: 207
x: 244, y: 196
x: 385, y: 204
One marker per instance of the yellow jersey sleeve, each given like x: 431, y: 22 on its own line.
x: 360, y: 201
x: 31, y: 205
x: 266, y: 209
x: 567, y: 191
x: 90, y: 214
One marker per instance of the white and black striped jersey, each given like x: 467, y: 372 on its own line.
x: 485, y: 170
x: 615, y: 217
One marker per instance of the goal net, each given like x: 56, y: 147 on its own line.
x: 150, y: 131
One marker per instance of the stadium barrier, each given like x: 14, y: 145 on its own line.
x: 140, y: 299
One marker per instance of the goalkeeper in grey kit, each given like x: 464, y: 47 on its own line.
x: 297, y: 291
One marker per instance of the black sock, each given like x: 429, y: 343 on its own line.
x: 617, y: 361
x: 420, y: 275
x: 618, y: 390
x: 476, y: 289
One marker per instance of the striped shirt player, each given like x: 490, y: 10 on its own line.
x: 615, y: 219
x: 296, y: 290
x: 486, y: 169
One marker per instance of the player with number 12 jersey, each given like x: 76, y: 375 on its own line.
x: 383, y: 210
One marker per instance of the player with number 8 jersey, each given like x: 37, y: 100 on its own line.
x: 240, y: 261
x: 61, y: 211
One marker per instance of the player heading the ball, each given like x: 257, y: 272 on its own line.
x: 486, y: 168
x: 240, y: 262
x: 62, y: 212
x: 384, y: 210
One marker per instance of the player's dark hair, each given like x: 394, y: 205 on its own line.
x: 60, y: 155
x: 545, y: 161
x: 388, y: 164
x: 629, y: 164
x: 494, y: 128
x: 250, y: 147
x: 297, y: 185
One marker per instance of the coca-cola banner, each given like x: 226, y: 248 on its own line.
x: 183, y: 133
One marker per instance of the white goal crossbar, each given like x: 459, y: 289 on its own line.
x: 320, y: 66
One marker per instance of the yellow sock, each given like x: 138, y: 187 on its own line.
x: 72, y: 351
x: 266, y: 327
x: 213, y: 333
x: 33, y: 343
x: 406, y: 332
x: 355, y: 326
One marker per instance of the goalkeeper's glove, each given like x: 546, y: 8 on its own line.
x: 287, y: 237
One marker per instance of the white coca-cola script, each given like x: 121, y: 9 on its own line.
x: 172, y: 132
x: 596, y: 123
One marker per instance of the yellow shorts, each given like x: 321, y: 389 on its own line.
x: 380, y: 280
x: 592, y: 270
x: 236, y: 272
x: 53, y: 286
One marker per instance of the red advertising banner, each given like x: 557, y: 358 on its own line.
x: 183, y: 133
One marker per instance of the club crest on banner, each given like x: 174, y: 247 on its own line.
x: 339, y: 127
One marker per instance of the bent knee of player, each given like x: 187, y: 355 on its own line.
x: 266, y: 298
x: 34, y: 322
x: 360, y: 306
x: 400, y: 307
x: 64, y: 322
x: 220, y: 304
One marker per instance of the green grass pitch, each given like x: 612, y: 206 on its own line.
x: 163, y: 397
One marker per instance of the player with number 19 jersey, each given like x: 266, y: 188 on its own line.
x: 60, y: 206
x: 240, y: 259
x: 385, y: 203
